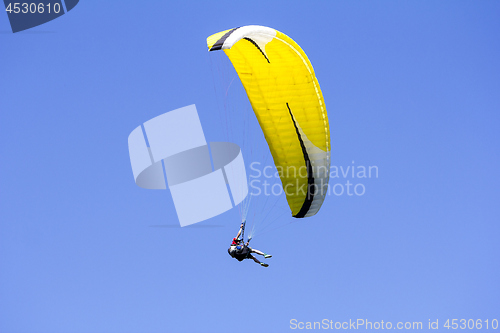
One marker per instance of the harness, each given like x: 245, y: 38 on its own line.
x: 242, y: 252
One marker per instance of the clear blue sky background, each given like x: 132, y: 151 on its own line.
x: 412, y: 87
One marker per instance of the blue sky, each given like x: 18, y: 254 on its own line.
x: 410, y: 87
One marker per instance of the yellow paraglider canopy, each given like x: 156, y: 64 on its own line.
x: 287, y: 100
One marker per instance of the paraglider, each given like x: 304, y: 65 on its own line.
x: 286, y: 98
x: 241, y: 251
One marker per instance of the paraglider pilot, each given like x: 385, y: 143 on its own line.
x: 241, y: 251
